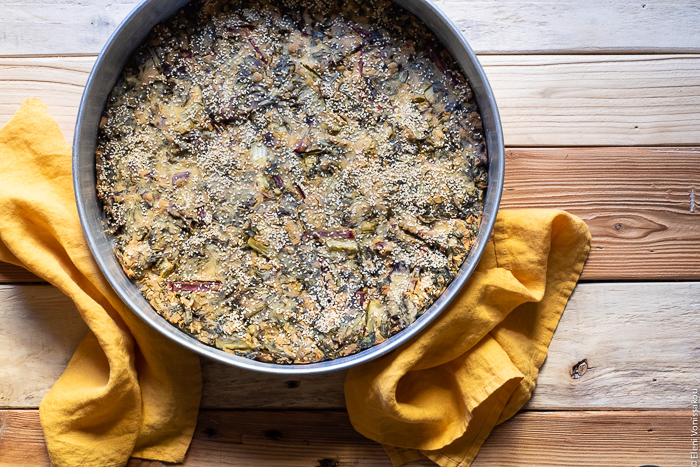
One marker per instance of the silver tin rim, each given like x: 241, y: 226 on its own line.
x: 118, y: 49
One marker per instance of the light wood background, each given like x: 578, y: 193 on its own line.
x: 600, y: 103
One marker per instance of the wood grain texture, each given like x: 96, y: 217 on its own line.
x: 58, y: 81
x: 324, y: 439
x: 639, y: 341
x: 490, y: 26
x: 544, y: 100
x: 498, y: 27
x: 9, y: 273
x: 41, y: 330
x: 596, y: 100
x: 21, y: 439
x: 636, y: 335
x: 55, y: 27
x: 639, y: 204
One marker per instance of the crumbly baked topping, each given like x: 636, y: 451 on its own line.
x: 292, y: 182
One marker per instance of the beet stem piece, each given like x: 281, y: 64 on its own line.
x: 193, y: 286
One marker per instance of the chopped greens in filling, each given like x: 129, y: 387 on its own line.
x: 292, y: 182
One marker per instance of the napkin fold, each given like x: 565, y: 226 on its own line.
x: 475, y: 365
x: 127, y: 391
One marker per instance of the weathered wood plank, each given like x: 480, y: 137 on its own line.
x: 570, y: 26
x: 9, y: 273
x: 41, y: 330
x: 57, y: 27
x: 638, y: 202
x: 530, y: 439
x: 235, y: 438
x: 636, y: 335
x: 639, y: 340
x: 596, y: 100
x: 21, y: 439
x: 58, y: 81
x: 490, y: 26
x: 544, y: 100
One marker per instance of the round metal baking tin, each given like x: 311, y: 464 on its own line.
x: 119, y: 48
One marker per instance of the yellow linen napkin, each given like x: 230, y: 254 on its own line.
x: 441, y: 394
x: 127, y: 391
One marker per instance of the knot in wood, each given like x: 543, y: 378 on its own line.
x: 579, y: 369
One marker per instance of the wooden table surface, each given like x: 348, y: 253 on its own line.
x: 600, y: 103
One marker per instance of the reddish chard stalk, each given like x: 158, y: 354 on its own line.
x: 361, y: 297
x: 180, y: 176
x: 302, y: 144
x: 346, y: 234
x: 193, y: 286
x: 257, y: 50
x: 366, y: 35
x: 362, y: 91
x: 442, y: 66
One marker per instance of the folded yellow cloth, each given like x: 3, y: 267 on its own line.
x: 127, y: 391
x: 441, y: 394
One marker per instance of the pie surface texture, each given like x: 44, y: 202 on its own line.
x: 294, y: 182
